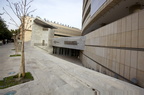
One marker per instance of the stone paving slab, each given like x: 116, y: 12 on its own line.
x: 55, y: 76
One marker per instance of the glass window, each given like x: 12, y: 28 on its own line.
x: 95, y: 5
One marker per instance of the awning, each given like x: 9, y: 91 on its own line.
x: 43, y: 23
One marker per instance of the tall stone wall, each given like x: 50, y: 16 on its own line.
x: 41, y: 37
x: 118, y: 47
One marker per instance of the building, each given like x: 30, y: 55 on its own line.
x: 44, y: 32
x: 114, y: 45
x: 62, y: 30
x: 111, y: 41
x: 28, y: 25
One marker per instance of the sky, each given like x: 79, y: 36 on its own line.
x: 67, y: 12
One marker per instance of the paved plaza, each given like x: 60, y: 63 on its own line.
x: 55, y: 76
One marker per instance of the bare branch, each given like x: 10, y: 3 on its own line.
x: 10, y: 17
x: 27, y: 9
x: 21, y: 7
x: 17, y: 10
x: 31, y: 11
x: 11, y: 7
x: 29, y: 2
x: 13, y: 24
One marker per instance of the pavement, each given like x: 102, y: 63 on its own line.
x: 56, y: 76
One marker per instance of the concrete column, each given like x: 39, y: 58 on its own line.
x: 62, y: 51
x: 58, y: 52
x: 69, y: 52
x: 66, y: 52
x: 53, y: 50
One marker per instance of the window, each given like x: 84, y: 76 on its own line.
x: 95, y: 5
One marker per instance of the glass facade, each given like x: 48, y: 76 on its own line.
x: 95, y: 5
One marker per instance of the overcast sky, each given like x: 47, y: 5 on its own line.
x: 67, y: 12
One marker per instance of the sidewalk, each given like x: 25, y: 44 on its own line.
x: 55, y: 76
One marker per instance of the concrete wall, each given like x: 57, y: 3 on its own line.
x: 118, y: 46
x: 42, y: 38
x: 69, y: 42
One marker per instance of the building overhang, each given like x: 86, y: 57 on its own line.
x: 77, y: 42
x: 43, y: 23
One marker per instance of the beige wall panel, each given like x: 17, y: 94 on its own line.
x: 135, y: 21
x: 123, y: 24
x: 132, y: 73
x: 122, y: 57
x: 118, y: 55
x: 128, y: 23
x: 119, y: 26
x: 111, y: 54
x: 128, y: 58
x: 114, y: 66
x: 108, y: 40
x: 97, y: 67
x: 127, y: 72
x: 141, y: 39
x: 110, y: 64
x: 123, y: 39
x: 101, y: 31
x: 141, y: 19
x: 115, y: 27
x: 96, y: 41
x: 104, y: 62
x: 114, y: 54
x: 121, y: 69
x: 111, y: 28
x: 105, y: 40
x: 135, y: 39
x: 134, y: 59
x: 140, y: 77
x: 114, y: 41
x: 117, y: 67
x: 118, y: 40
x: 141, y: 60
x: 87, y: 42
x: 128, y: 39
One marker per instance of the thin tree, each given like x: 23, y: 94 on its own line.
x: 16, y: 34
x: 21, y: 9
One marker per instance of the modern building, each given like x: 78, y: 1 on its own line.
x: 114, y: 45
x: 45, y: 33
x: 60, y: 30
x: 111, y: 41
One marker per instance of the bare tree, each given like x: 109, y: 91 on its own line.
x: 21, y: 9
x: 16, y: 34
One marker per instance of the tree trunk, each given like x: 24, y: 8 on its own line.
x: 16, y: 44
x: 22, y: 68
